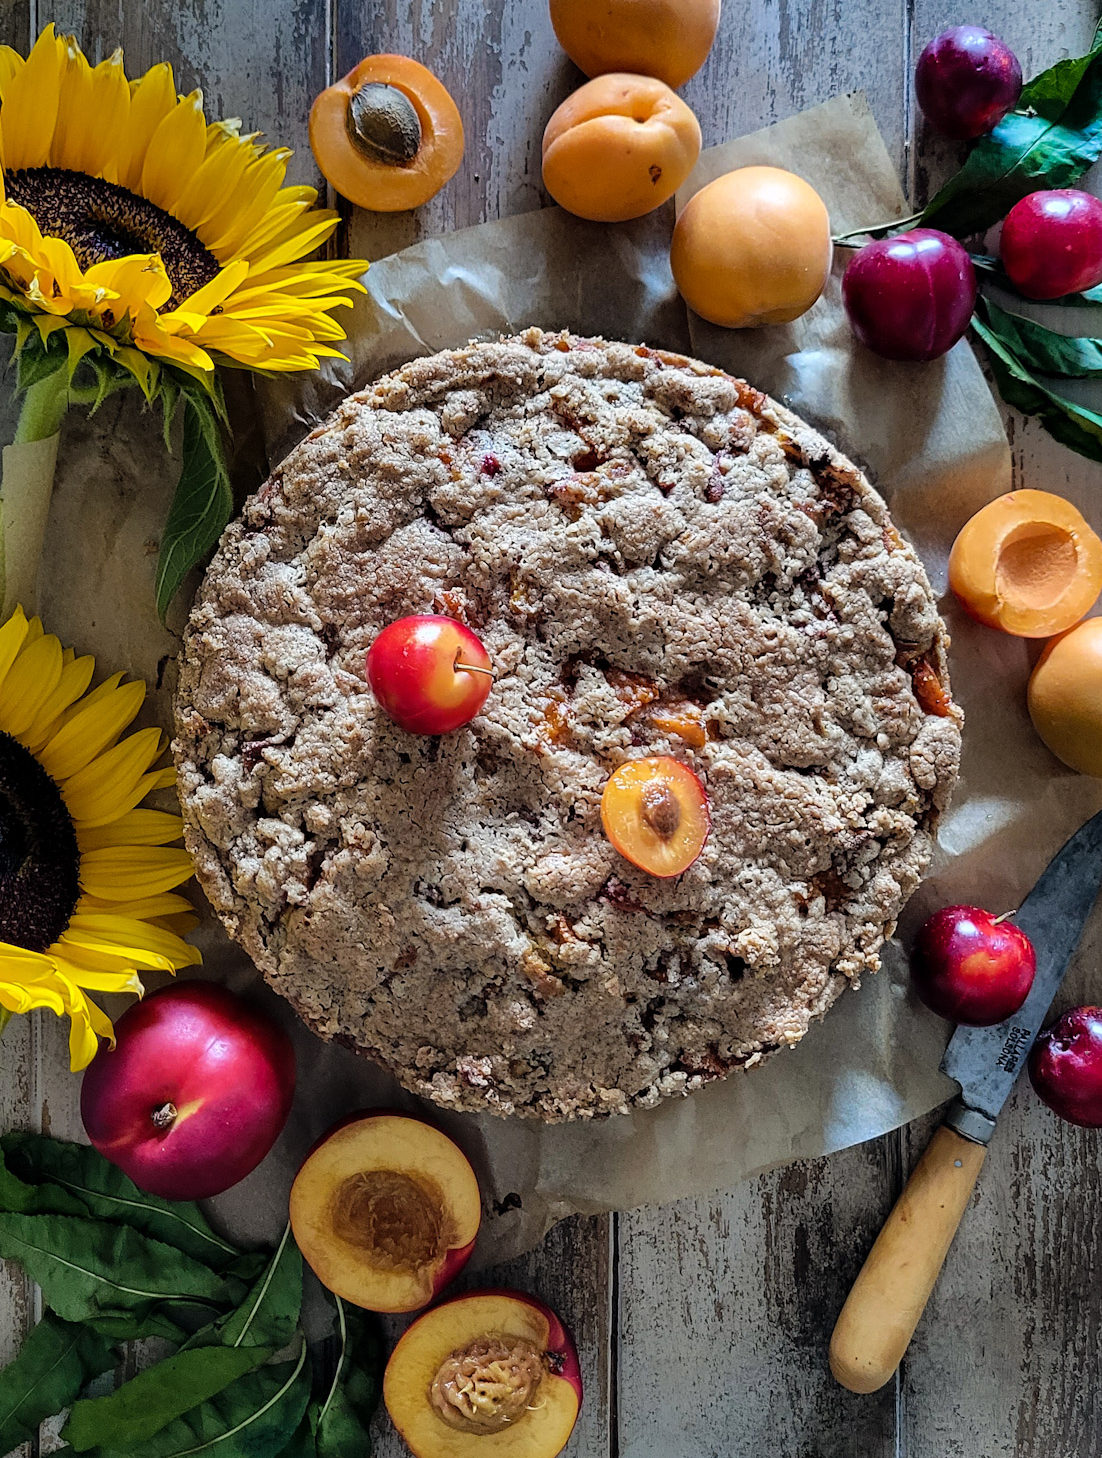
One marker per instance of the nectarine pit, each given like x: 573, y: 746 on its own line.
x: 488, y: 1384
x: 394, y: 1216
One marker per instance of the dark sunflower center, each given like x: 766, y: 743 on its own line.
x: 100, y: 221
x: 39, y: 857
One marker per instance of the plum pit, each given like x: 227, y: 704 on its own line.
x: 655, y: 812
x: 488, y: 1384
x: 392, y: 1216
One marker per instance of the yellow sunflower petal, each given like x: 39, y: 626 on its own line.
x: 94, y: 723
x: 132, y: 937
x: 86, y: 1025
x: 148, y: 908
x: 30, y: 104
x: 28, y: 684
x: 152, y: 98
x: 76, y: 675
x: 105, y: 789
x: 11, y: 63
x: 106, y: 967
x: 175, y: 151
x: 139, y: 278
x: 139, y: 827
x: 74, y: 112
x: 12, y: 636
x: 107, y: 121
x: 120, y: 873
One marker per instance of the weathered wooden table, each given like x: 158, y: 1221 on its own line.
x: 703, y: 1326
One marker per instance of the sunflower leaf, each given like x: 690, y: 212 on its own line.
x: 61, y: 1178
x: 1050, y: 140
x: 55, y: 1363
x: 1072, y: 424
x: 203, y: 503
x: 158, y: 1396
x: 114, y: 1278
x: 254, y: 1417
x: 37, y: 361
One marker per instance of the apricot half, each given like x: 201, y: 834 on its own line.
x: 655, y: 813
x: 620, y: 147
x: 492, y: 1372
x: 1027, y: 563
x: 387, y: 136
x: 753, y: 247
x: 669, y: 39
x: 385, y: 1211
x: 1065, y: 697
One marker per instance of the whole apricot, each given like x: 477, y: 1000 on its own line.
x: 753, y: 247
x: 1027, y: 563
x: 669, y: 39
x: 1065, y: 697
x: 620, y: 147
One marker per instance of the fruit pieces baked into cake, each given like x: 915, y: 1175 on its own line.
x: 660, y: 561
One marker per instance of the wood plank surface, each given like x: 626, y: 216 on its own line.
x: 702, y: 1327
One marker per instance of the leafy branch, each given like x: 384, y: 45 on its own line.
x: 116, y: 1264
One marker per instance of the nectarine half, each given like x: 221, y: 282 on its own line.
x: 492, y: 1372
x: 385, y: 1211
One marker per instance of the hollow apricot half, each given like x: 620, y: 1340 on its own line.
x: 1027, y: 563
x: 387, y: 136
x: 655, y: 812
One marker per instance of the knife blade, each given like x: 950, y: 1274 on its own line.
x: 986, y: 1061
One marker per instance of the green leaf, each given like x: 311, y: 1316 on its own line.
x: 38, y: 361
x: 72, y: 1179
x: 158, y: 1396
x: 345, y: 1412
x: 55, y: 1363
x: 1050, y: 140
x: 203, y: 503
x: 1041, y: 349
x: 269, y: 1314
x: 254, y: 1417
x: 337, y: 1422
x: 1074, y: 425
x: 91, y: 1270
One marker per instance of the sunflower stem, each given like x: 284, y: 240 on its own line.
x: 26, y: 488
x: 43, y: 409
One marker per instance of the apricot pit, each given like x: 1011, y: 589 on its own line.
x: 385, y: 1211
x: 1028, y: 564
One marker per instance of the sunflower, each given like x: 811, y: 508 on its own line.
x: 88, y: 875
x: 130, y: 222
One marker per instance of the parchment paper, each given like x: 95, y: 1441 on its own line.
x: 932, y: 440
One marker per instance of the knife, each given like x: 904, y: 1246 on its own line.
x: 890, y: 1294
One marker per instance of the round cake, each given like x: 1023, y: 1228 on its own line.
x: 660, y: 560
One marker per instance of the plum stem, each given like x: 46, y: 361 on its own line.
x: 165, y: 1116
x: 1005, y: 917
x: 471, y: 668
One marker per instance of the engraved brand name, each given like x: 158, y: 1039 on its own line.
x: 1017, y: 1040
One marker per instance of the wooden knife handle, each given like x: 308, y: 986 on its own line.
x: 890, y: 1294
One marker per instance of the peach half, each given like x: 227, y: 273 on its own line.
x: 655, y: 813
x: 1027, y: 563
x: 492, y: 1372
x: 385, y: 1210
